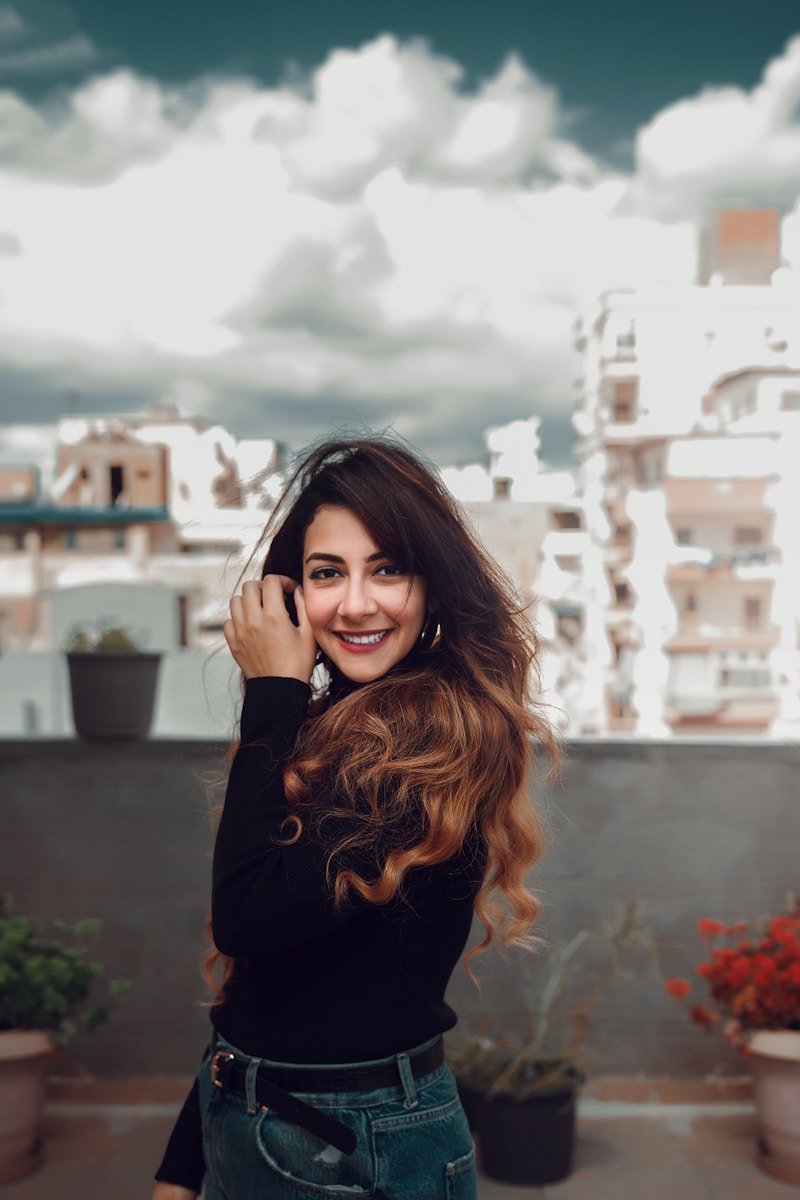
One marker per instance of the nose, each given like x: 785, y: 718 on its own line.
x: 357, y: 601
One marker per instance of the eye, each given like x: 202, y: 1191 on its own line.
x: 389, y: 570
x: 324, y: 573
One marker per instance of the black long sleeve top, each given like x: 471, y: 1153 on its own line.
x: 313, y: 985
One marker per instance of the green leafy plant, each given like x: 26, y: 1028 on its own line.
x: 553, y: 1051
x: 45, y: 981
x: 102, y: 638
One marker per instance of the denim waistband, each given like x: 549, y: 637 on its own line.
x: 218, y: 1041
x: 406, y: 1085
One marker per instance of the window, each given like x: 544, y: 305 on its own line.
x: 745, y: 677
x: 502, y: 487
x: 622, y: 535
x: 622, y: 594
x: 651, y: 468
x: 623, y: 402
x: 566, y: 519
x: 626, y: 343
x: 620, y: 710
x: 683, y: 536
x: 747, y: 535
x: 117, y: 474
x: 790, y: 401
x: 752, y: 612
x: 183, y: 620
x: 119, y: 539
x: 569, y: 626
x: 69, y: 539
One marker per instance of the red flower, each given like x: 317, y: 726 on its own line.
x: 704, y: 1016
x: 679, y: 988
x: 708, y: 928
x: 756, y: 981
x: 737, y: 927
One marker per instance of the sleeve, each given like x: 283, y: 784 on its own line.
x: 183, y: 1163
x: 267, y: 897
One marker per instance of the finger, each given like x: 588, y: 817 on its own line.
x: 252, y: 601
x: 286, y: 582
x: 238, y: 616
x: 300, y: 606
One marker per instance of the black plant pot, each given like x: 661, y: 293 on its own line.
x: 113, y: 695
x: 472, y: 1100
x: 530, y: 1141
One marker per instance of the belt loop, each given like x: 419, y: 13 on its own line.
x: 250, y: 1078
x: 407, y: 1076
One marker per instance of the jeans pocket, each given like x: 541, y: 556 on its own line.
x: 415, y: 1151
x: 461, y: 1177
x: 311, y: 1166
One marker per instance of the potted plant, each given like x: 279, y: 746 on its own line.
x: 44, y: 1000
x: 520, y: 1094
x: 112, y: 682
x: 755, y: 982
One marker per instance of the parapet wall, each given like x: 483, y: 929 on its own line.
x: 121, y: 831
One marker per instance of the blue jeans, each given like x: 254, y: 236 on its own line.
x: 414, y: 1143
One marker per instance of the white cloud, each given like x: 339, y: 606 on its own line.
x: 372, y: 242
x: 725, y: 144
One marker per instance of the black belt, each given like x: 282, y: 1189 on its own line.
x: 229, y: 1071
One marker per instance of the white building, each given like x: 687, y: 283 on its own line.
x: 688, y: 447
x: 148, y: 524
x: 530, y: 519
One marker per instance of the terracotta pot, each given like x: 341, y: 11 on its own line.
x: 113, y: 695
x: 774, y: 1055
x: 24, y: 1059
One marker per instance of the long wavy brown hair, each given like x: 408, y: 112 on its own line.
x: 443, y: 746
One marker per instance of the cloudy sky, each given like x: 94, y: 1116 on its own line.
x: 290, y: 218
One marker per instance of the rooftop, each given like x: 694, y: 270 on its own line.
x: 108, y: 1146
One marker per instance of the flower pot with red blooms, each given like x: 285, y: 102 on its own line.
x: 44, y: 989
x: 774, y: 1056
x: 755, y: 983
x: 112, y: 683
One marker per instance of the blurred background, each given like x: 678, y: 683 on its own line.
x: 555, y: 247
x: 556, y: 250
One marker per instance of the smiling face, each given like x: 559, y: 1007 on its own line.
x: 365, y: 611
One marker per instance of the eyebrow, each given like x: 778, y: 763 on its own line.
x: 336, y: 558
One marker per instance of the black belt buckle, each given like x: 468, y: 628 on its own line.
x: 221, y: 1056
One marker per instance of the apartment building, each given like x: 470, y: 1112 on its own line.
x: 148, y: 523
x: 686, y: 431
x: 530, y: 518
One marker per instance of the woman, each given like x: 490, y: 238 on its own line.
x: 362, y: 828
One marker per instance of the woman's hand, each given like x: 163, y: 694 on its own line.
x: 261, y: 635
x: 171, y: 1191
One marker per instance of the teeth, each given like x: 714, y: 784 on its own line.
x: 367, y: 640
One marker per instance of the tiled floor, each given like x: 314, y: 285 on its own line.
x: 623, y: 1152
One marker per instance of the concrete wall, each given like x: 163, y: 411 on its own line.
x: 121, y: 832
